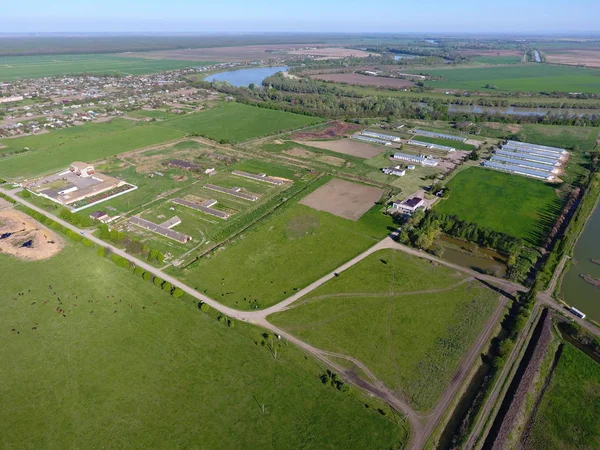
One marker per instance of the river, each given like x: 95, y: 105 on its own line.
x: 574, y: 290
x: 246, y: 77
x: 522, y: 111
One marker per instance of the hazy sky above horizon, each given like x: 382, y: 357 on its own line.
x: 463, y: 16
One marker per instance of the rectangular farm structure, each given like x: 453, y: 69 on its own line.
x: 439, y: 135
x: 159, y: 229
x: 536, y: 152
x: 526, y: 164
x: 259, y: 177
x: 431, y: 146
x: 529, y: 157
x: 511, y: 168
x: 235, y: 192
x: 423, y: 160
x: 371, y: 140
x: 526, y: 145
x: 384, y: 137
x: 205, y: 207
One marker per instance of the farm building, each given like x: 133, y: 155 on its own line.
x: 423, y: 160
x: 371, y: 140
x: 159, y: 229
x: 205, y: 207
x: 385, y: 137
x: 409, y: 206
x: 510, y: 168
x: 81, y: 169
x: 260, y: 177
x: 526, y: 164
x: 526, y: 145
x: 529, y: 157
x: 235, y: 192
x: 439, y: 135
x: 184, y: 165
x: 540, y: 153
x: 394, y: 170
x: 100, y: 216
x: 443, y: 148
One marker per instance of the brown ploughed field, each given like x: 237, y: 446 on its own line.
x: 343, y: 199
x: 589, y: 58
x: 333, y: 130
x: 348, y: 147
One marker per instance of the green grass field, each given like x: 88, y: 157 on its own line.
x: 512, y: 204
x: 289, y: 250
x: 406, y: 318
x: 526, y: 78
x: 568, y: 414
x: 447, y: 142
x: 235, y: 122
x: 128, y: 366
x: 57, y: 149
x: 498, y: 59
x: 18, y: 67
x: 560, y: 136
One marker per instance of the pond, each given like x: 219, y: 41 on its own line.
x: 399, y: 56
x: 245, y: 77
x: 472, y: 256
x: 574, y: 290
x: 522, y: 111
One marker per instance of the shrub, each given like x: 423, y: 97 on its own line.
x: 177, y: 293
x: 204, y: 307
x: 158, y: 281
x: 146, y: 276
x: 101, y: 251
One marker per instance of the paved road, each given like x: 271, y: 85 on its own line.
x: 420, y: 431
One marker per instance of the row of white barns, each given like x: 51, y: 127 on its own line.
x: 531, y: 160
x: 376, y: 138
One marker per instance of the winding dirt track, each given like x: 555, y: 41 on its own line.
x: 421, y: 425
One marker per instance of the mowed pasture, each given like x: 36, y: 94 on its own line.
x: 560, y: 136
x: 89, y: 142
x: 447, y: 142
x: 568, y: 412
x: 526, y: 78
x: 108, y: 344
x: 19, y: 67
x: 235, y: 122
x: 407, y: 319
x: 516, y: 205
x: 282, y: 254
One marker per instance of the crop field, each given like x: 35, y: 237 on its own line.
x: 526, y: 78
x: 282, y: 254
x: 522, y: 207
x: 364, y: 80
x: 108, y: 344
x: 56, y: 150
x: 498, y: 59
x: 409, y: 320
x: 567, y: 417
x: 18, y: 67
x: 447, y: 142
x: 235, y: 122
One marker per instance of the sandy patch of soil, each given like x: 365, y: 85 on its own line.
x: 364, y: 80
x: 349, y: 147
x: 334, y: 130
x: 18, y: 229
x: 331, y: 52
x: 332, y: 160
x: 299, y: 153
x: 588, y: 58
x: 343, y: 199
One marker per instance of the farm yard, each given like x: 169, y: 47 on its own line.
x: 523, y: 207
x: 18, y: 67
x: 72, y: 338
x: 407, y: 319
x: 365, y: 80
x: 525, y: 78
x: 569, y: 408
x: 282, y: 254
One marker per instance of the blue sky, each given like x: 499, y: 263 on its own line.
x: 463, y: 16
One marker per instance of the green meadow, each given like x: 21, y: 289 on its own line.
x: 407, y: 319
x: 18, y: 67
x: 102, y: 359
x: 516, y: 205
